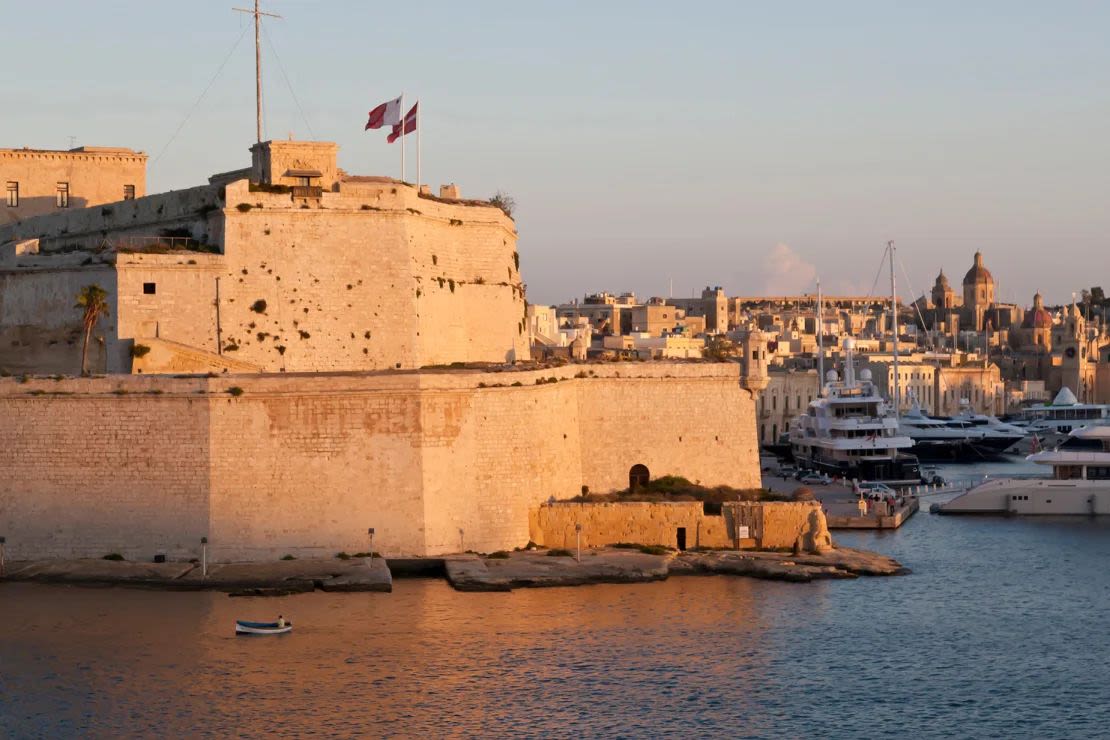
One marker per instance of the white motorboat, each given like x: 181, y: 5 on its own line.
x: 1080, y: 483
x: 938, y: 439
x: 995, y: 435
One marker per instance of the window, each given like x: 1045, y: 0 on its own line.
x: 304, y: 182
x: 63, y: 195
x: 149, y: 288
x: 13, y: 194
x: 129, y: 192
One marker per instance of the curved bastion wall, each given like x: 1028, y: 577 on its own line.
x: 268, y: 465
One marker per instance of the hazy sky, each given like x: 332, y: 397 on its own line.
x: 750, y: 145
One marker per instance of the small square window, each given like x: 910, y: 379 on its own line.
x: 129, y: 192
x: 149, y: 288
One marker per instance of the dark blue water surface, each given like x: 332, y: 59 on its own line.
x: 1003, y: 630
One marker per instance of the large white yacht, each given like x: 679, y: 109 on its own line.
x: 1080, y: 483
x: 1064, y: 414
x: 849, y: 430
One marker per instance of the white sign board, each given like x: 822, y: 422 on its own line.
x: 742, y: 533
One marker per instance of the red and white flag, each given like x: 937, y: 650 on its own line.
x: 410, y: 125
x: 386, y: 114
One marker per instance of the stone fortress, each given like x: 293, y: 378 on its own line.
x: 274, y: 374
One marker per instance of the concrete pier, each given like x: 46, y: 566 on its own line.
x: 845, y: 515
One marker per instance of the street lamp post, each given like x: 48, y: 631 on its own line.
x: 370, y: 532
x: 204, y: 556
x: 2, y: 541
x: 578, y: 541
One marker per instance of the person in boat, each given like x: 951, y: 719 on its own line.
x: 281, y: 621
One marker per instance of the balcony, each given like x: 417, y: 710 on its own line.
x: 307, y: 191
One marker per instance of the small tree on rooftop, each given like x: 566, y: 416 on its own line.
x: 505, y: 202
x: 92, y: 300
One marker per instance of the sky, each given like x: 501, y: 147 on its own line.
x: 751, y: 145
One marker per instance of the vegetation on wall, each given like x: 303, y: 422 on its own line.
x: 504, y: 201
x: 93, y: 302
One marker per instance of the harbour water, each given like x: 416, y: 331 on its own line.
x: 999, y: 632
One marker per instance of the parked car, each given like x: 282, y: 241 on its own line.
x: 819, y: 479
x: 869, y: 487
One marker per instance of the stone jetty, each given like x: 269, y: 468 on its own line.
x: 539, y: 568
x: 277, y: 578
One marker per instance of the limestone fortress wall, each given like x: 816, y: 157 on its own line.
x: 302, y: 464
x: 273, y: 376
x: 366, y: 274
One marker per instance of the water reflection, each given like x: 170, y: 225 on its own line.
x: 998, y: 632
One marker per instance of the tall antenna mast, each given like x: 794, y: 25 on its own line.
x: 820, y: 342
x: 257, y: 13
x: 894, y: 330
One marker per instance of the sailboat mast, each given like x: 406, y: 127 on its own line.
x: 820, y: 343
x: 894, y: 329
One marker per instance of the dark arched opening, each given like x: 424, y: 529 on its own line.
x: 638, y: 476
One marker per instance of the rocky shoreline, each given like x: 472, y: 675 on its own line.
x: 465, y: 572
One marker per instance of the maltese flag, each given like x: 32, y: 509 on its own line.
x: 410, y: 125
x: 386, y: 114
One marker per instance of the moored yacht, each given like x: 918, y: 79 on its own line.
x: 937, y: 439
x: 849, y: 431
x: 1080, y: 483
x: 1064, y: 414
x: 995, y: 435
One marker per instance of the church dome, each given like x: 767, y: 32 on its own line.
x: 1038, y: 317
x: 942, y: 280
x: 978, y: 274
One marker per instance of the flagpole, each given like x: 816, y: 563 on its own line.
x: 416, y: 122
x: 402, y: 112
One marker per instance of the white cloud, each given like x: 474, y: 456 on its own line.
x: 786, y: 273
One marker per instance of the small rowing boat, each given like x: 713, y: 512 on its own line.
x: 243, y: 627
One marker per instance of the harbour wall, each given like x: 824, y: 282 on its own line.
x: 265, y: 465
x: 762, y: 524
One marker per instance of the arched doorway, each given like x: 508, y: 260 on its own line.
x: 638, y: 476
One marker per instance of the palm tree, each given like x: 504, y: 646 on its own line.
x: 92, y: 300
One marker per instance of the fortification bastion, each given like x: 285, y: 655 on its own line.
x: 273, y: 375
x: 335, y: 273
x: 265, y: 465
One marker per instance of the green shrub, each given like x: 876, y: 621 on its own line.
x: 558, y: 553
x: 287, y: 557
x: 342, y: 556
x: 113, y: 556
x: 235, y: 390
x: 499, y: 555
x: 139, y: 350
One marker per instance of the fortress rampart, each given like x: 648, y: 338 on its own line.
x: 267, y: 464
x: 367, y: 275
